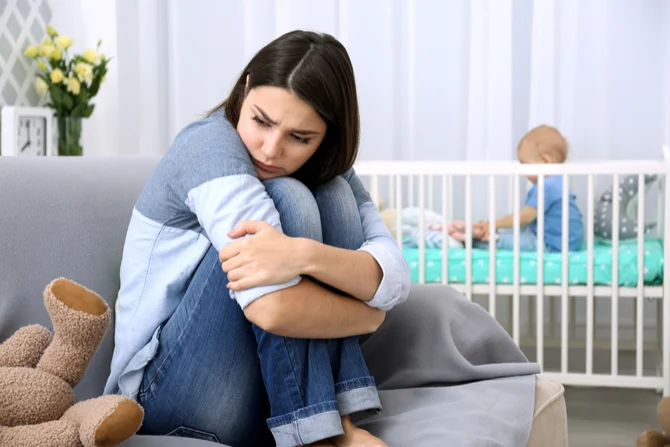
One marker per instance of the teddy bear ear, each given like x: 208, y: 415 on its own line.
x: 664, y: 414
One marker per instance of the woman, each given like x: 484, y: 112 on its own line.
x: 253, y: 260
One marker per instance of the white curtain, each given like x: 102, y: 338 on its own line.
x: 437, y: 80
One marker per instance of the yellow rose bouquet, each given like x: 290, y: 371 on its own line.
x: 72, y: 81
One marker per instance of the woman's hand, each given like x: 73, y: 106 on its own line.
x: 267, y: 257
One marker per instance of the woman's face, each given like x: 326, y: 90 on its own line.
x: 280, y: 130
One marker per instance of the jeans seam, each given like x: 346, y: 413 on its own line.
x: 293, y: 377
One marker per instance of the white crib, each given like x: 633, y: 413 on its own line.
x: 532, y: 316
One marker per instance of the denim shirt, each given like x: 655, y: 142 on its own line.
x: 203, y: 186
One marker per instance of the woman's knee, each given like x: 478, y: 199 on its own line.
x: 298, y: 210
x: 340, y: 218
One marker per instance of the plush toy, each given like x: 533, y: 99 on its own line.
x: 628, y: 201
x: 652, y: 438
x: 38, y: 372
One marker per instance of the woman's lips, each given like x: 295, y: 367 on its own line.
x: 267, y: 168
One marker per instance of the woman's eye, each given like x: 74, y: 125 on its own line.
x: 300, y: 139
x: 259, y: 121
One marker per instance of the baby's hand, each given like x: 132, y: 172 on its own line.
x: 480, y: 230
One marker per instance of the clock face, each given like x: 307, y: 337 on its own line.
x: 32, y: 136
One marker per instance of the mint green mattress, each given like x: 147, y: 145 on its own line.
x: 577, y: 265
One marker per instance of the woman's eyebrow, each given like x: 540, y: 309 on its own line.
x: 296, y: 131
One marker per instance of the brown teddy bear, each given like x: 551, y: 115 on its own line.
x: 38, y: 372
x: 652, y: 438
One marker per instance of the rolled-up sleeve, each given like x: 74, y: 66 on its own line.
x: 395, y: 283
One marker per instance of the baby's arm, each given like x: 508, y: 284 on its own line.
x: 527, y: 215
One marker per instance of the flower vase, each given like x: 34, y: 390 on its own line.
x: 69, y: 136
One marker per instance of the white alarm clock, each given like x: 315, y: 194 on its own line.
x: 27, y: 131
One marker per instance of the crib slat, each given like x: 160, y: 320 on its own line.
x: 666, y: 289
x: 410, y: 190
x: 445, y: 237
x: 540, y: 272
x: 468, y: 236
x: 431, y: 193
x: 516, y: 298
x: 590, y: 282
x: 660, y: 206
x: 451, y: 202
x: 492, y: 246
x: 565, y: 280
x: 422, y: 230
x: 640, y: 277
x: 374, y: 190
x: 398, y: 211
x: 615, y: 274
x: 391, y: 190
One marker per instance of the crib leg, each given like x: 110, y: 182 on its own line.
x: 531, y: 315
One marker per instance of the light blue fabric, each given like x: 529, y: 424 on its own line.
x: 205, y: 185
x: 553, y: 215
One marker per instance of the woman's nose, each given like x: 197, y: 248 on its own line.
x: 272, y: 146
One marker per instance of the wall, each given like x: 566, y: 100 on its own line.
x: 21, y: 24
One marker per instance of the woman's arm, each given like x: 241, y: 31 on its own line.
x: 377, y: 272
x: 308, y: 310
x: 354, y: 272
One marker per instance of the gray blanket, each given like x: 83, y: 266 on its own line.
x: 449, y: 375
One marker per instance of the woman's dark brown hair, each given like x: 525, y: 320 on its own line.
x: 316, y: 67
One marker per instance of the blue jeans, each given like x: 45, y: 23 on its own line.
x: 218, y: 377
x: 527, y: 240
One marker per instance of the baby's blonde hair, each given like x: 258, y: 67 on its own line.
x: 547, y: 141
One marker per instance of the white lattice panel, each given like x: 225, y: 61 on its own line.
x: 22, y: 22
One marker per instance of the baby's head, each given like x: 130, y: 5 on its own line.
x: 543, y: 144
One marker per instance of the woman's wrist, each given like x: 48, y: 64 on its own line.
x: 307, y: 251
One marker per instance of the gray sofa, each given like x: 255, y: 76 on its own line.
x: 68, y: 217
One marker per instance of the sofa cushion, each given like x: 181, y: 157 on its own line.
x: 550, y: 420
x: 64, y: 217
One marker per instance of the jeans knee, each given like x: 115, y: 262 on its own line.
x: 340, y: 218
x: 298, y: 211
x: 336, y: 197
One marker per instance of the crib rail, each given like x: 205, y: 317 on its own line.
x: 412, y: 184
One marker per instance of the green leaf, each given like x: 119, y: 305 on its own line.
x: 88, y: 111
x: 78, y: 111
x: 61, y: 97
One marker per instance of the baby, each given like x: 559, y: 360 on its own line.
x: 543, y: 144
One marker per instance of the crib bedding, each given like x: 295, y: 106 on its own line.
x: 577, y: 265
